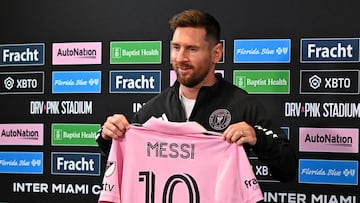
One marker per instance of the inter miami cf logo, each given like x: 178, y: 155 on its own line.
x: 220, y: 119
x: 110, y: 168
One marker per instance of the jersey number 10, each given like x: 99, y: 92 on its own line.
x: 167, y: 196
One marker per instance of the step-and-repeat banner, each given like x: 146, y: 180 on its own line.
x: 66, y: 66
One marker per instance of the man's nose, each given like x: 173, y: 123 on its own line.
x: 182, y: 55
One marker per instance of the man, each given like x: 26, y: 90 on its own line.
x: 202, y: 96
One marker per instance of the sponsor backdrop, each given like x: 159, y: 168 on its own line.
x: 67, y: 65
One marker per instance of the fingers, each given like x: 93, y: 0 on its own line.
x: 233, y: 134
x: 240, y: 133
x: 115, y: 126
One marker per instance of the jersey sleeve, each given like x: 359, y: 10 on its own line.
x: 237, y: 181
x: 112, y: 179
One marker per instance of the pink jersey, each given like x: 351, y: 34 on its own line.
x: 165, y: 162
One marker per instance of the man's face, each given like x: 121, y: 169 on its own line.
x: 191, y: 56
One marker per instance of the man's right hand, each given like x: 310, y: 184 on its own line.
x: 115, y: 127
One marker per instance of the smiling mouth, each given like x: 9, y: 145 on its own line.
x: 184, y: 67
x: 184, y: 70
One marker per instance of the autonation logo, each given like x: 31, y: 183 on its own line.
x: 22, y: 134
x: 76, y: 82
x: 330, y: 50
x: 339, y: 140
x: 135, y: 81
x: 76, y: 53
x: 262, y: 51
x: 335, y: 172
x: 22, y: 54
x: 66, y: 163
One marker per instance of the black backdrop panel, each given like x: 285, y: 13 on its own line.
x: 48, y: 22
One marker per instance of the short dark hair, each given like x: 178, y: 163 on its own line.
x: 197, y: 18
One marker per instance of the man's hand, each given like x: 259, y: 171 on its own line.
x: 240, y: 133
x: 115, y: 127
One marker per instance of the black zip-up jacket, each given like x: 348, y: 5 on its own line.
x: 217, y: 107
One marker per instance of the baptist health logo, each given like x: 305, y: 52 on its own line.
x: 263, y: 81
x: 74, y: 134
x: 76, y: 82
x: 22, y: 54
x: 320, y: 50
x: 140, y: 52
x: 262, y: 51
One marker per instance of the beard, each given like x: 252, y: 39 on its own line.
x: 193, y: 78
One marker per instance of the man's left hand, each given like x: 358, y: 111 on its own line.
x: 240, y: 133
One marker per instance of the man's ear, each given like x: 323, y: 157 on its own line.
x: 217, y: 52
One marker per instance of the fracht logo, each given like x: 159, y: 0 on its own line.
x: 66, y: 163
x: 342, y: 50
x: 22, y: 54
x: 135, y: 81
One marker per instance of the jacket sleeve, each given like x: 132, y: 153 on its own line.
x: 277, y: 153
x: 272, y: 148
x: 104, y: 145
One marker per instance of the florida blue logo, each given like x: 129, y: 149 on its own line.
x: 76, y: 82
x: 336, y: 172
x: 262, y: 51
x: 21, y: 162
x: 135, y: 81
x: 22, y: 54
x: 330, y: 50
